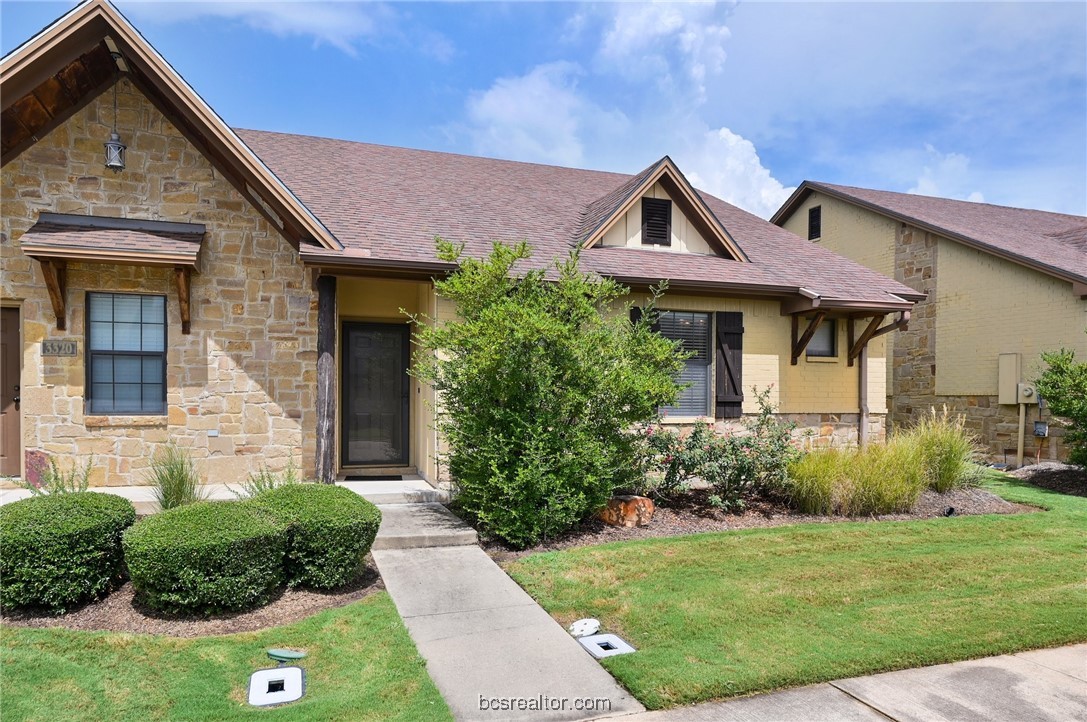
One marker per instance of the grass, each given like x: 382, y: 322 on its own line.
x: 361, y: 665
x: 174, y: 478
x: 721, y: 615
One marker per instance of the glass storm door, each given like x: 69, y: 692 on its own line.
x: 375, y: 394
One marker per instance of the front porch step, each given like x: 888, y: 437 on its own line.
x: 418, y: 525
x: 408, y: 491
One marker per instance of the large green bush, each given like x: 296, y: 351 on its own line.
x: 206, y: 557
x: 60, y: 550
x: 329, y: 531
x: 541, y: 380
x: 1063, y: 385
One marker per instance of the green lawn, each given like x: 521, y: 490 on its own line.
x: 361, y: 665
x: 719, y: 615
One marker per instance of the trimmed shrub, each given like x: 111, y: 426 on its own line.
x: 206, y: 557
x: 60, y: 550
x: 329, y: 531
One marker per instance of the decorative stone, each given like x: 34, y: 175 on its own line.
x: 627, y: 511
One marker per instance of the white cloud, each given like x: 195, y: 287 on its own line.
x: 728, y: 166
x: 339, y: 24
x: 539, y: 117
x: 645, y: 40
x: 946, y: 175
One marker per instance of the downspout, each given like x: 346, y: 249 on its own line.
x: 862, y: 396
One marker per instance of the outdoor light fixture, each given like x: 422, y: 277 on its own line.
x: 115, y: 149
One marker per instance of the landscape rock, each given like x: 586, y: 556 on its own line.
x: 627, y: 511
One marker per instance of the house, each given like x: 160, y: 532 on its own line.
x: 1002, y: 285
x: 241, y: 293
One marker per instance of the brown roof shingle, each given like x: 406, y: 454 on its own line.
x: 74, y: 236
x: 392, y: 202
x: 1053, y: 243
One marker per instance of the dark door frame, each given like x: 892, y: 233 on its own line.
x: 405, y: 332
x: 17, y: 461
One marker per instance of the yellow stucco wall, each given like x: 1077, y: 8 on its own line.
x: 858, y: 234
x: 628, y: 230
x: 987, y: 306
x: 823, y: 386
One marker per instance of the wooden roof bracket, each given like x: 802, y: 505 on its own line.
x: 873, y: 330
x: 183, y: 278
x: 801, y: 343
x: 55, y: 281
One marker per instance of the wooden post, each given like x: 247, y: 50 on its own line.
x: 183, y: 277
x: 326, y: 379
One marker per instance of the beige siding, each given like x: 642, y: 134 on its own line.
x: 627, y: 231
x: 858, y: 234
x: 988, y: 306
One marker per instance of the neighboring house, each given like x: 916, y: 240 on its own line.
x: 240, y: 293
x: 1003, y: 285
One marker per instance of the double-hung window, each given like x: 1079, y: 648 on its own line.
x: 126, y: 354
x: 693, y: 330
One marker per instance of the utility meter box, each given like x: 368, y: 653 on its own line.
x: 1007, y: 384
x: 1027, y: 394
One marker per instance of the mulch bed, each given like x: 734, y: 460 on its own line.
x: 691, y: 514
x: 120, y: 612
x: 1054, y: 476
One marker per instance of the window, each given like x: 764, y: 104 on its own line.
x: 656, y: 222
x: 815, y: 223
x: 126, y: 354
x: 693, y: 329
x: 824, y: 342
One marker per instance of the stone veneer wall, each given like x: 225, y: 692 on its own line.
x: 248, y: 369
x: 914, y: 378
x: 816, y: 431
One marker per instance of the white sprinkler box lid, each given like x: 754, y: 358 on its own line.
x: 605, y: 645
x: 276, y: 686
x: 585, y: 627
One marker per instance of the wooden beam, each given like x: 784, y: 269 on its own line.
x: 799, y: 344
x: 54, y: 272
x: 866, y: 336
x: 183, y: 277
x: 326, y: 379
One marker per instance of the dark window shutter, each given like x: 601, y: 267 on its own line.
x: 656, y: 222
x: 730, y: 356
x: 636, y: 315
x: 815, y: 222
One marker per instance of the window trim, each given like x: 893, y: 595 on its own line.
x: 88, y: 357
x: 832, y: 323
x: 815, y: 222
x: 665, y: 203
x: 711, y: 366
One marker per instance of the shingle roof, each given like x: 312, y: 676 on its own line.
x: 1054, y: 243
x: 392, y: 202
x: 89, y: 237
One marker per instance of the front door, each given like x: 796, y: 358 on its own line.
x: 375, y: 387
x: 9, y: 392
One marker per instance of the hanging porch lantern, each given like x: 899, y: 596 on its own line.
x: 115, y: 149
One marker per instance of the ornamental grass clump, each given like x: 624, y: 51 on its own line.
x: 174, y: 479
x: 948, y: 450
x: 543, y: 378
x: 61, y: 550
x: 879, y: 479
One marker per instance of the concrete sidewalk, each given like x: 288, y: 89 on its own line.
x: 490, y: 649
x: 1048, y: 685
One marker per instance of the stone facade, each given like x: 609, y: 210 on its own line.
x: 817, y: 431
x: 914, y: 386
x: 247, y: 370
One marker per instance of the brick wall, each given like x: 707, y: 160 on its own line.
x: 247, y: 370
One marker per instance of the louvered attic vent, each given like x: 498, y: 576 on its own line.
x: 656, y: 222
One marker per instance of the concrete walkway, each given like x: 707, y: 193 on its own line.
x: 1048, y: 685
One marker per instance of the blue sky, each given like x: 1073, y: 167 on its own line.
x: 978, y: 101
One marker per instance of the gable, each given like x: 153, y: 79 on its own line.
x: 684, y: 236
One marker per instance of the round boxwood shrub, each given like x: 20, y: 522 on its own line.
x: 329, y: 531
x: 60, y: 550
x: 206, y: 558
